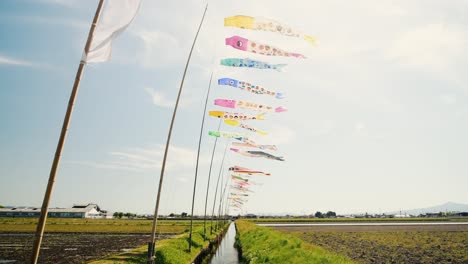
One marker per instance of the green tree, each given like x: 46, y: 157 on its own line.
x: 330, y: 214
x: 319, y: 214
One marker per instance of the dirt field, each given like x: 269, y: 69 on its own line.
x: 67, y: 247
x: 371, y: 228
x: 390, y: 244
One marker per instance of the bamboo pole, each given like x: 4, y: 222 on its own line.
x: 216, y: 189
x: 152, y: 243
x: 196, y: 166
x: 61, y: 142
x: 208, y: 184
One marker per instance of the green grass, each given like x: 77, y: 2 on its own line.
x: 394, y: 247
x: 95, y: 225
x: 351, y: 220
x: 168, y: 251
x: 264, y: 245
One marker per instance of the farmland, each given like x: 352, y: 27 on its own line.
x: 392, y: 247
x: 94, y: 225
x: 358, y: 220
x: 79, y: 240
x: 68, y: 247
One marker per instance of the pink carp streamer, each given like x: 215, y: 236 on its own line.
x: 242, y: 170
x: 244, y: 44
x: 249, y: 106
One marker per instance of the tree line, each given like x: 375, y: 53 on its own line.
x: 329, y: 214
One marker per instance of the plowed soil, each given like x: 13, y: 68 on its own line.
x: 67, y: 247
x: 394, y: 247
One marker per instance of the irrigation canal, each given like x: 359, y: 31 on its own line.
x: 226, y: 252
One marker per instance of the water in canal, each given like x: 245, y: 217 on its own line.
x: 226, y: 252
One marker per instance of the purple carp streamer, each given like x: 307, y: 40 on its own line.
x: 266, y: 24
x: 246, y: 86
x: 244, y: 44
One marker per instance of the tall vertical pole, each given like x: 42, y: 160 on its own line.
x: 222, y: 196
x: 196, y: 166
x: 152, y: 243
x: 216, y: 189
x: 208, y: 184
x: 58, y: 152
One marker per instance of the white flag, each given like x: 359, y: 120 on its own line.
x: 115, y: 18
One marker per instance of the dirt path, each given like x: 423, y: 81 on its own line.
x: 67, y: 247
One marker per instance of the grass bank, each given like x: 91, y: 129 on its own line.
x: 95, y: 225
x: 168, y: 251
x: 263, y: 245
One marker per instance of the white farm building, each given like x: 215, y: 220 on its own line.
x: 77, y: 211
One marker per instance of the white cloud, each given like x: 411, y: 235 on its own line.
x: 279, y: 135
x: 66, y: 3
x: 161, y: 49
x: 159, y: 99
x: 360, y: 128
x: 448, y: 99
x: 433, y: 46
x: 17, y: 62
x: 146, y: 159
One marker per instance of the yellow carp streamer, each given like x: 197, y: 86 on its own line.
x: 234, y: 116
x: 266, y: 24
x: 244, y: 126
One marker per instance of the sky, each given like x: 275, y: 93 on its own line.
x: 377, y: 120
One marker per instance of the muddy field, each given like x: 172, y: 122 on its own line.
x: 392, y: 247
x: 68, y: 247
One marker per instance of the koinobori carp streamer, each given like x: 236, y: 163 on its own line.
x: 234, y: 116
x: 266, y: 24
x: 249, y: 63
x: 245, y: 142
x: 244, y: 44
x: 244, y: 126
x: 257, y: 154
x: 246, y: 86
x: 225, y: 134
x: 242, y: 170
x: 248, y: 106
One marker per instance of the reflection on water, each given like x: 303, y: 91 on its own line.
x: 227, y: 253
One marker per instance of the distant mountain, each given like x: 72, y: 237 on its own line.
x: 446, y: 207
